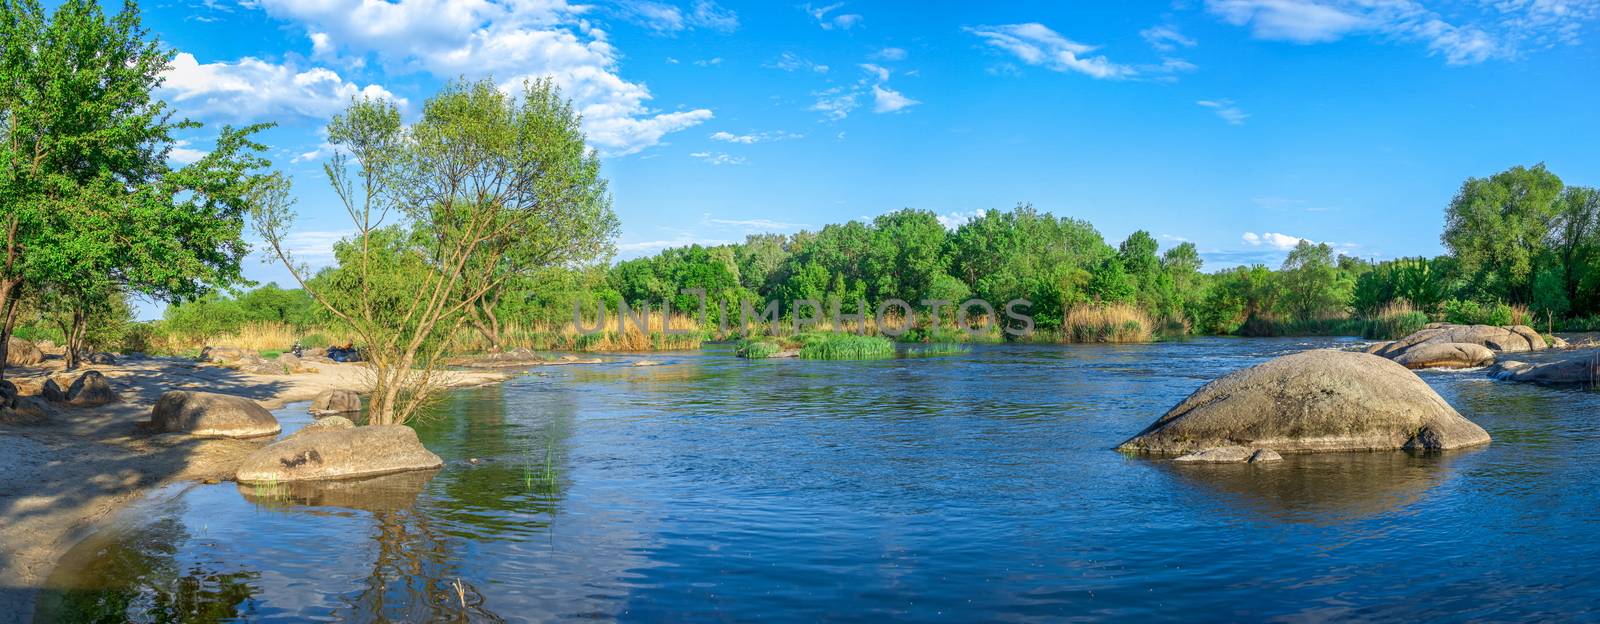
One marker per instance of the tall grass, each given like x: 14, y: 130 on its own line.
x: 540, y: 337
x: 845, y: 347
x: 261, y: 337
x: 757, y: 349
x: 1394, y: 321
x: 938, y: 348
x: 1115, y: 322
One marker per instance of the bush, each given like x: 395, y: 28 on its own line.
x: 1467, y: 312
x: 846, y: 347
x: 1394, y: 321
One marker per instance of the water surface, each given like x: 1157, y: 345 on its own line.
x: 972, y: 487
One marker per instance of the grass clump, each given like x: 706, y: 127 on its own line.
x: 757, y: 349
x: 845, y: 347
x: 1394, y: 321
x: 1107, y: 323
x: 938, y: 348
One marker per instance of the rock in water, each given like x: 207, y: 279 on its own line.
x: 339, y: 453
x: 1442, y: 345
x: 1314, y: 401
x: 212, y: 415
x: 1581, y: 369
x: 20, y: 352
x: 1445, y: 355
x: 91, y: 389
x: 336, y: 402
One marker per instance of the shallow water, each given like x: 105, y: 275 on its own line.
x: 972, y: 487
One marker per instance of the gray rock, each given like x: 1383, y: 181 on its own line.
x: 91, y: 389
x: 1581, y: 369
x: 1445, y: 355
x: 336, y: 402
x: 339, y: 453
x: 1221, y: 455
x: 330, y: 423
x: 1265, y: 455
x: 207, y: 414
x: 222, y: 355
x: 51, y: 391
x: 1313, y: 401
x: 1512, y: 339
x: 8, y: 394
x: 21, y: 352
x: 100, y: 358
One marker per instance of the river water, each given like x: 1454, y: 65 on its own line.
x: 978, y: 486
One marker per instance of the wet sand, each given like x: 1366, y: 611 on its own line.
x: 61, y: 476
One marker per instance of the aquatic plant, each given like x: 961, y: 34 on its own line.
x: 757, y: 349
x: 845, y: 347
x: 938, y: 348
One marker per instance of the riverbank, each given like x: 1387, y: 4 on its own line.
x: 61, y: 476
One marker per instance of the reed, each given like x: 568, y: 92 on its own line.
x: 757, y: 349
x: 1396, y: 320
x: 845, y: 347
x: 938, y: 348
x: 1115, y: 322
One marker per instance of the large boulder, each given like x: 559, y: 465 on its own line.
x: 21, y: 352
x: 51, y: 391
x: 1511, y: 339
x: 91, y: 389
x: 1308, y: 402
x: 207, y: 414
x: 1445, y: 355
x: 1578, y: 370
x: 335, y: 452
x: 9, y: 394
x: 336, y: 402
x: 223, y: 355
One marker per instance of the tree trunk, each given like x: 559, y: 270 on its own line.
x: 75, y: 335
x: 488, y: 324
x: 9, y: 291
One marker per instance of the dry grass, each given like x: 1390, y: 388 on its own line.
x: 1107, y: 323
x: 258, y: 336
x: 608, y: 339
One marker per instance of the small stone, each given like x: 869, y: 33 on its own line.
x: 1265, y: 455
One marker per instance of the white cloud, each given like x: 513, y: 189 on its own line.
x: 753, y: 138
x: 641, y: 248
x: 182, y: 154
x: 1226, y: 110
x: 1166, y: 38
x: 1035, y: 44
x: 1275, y: 240
x: 763, y: 225
x: 957, y: 219
x: 718, y: 158
x: 668, y: 19
x: 890, y: 54
x: 313, y: 246
x: 890, y: 101
x: 789, y: 62
x: 1490, y: 29
x: 709, y: 62
x: 835, y: 103
x: 842, y: 21
x: 512, y: 40
x: 255, y: 90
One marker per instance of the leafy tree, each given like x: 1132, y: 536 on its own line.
x: 1312, y: 287
x: 89, y: 203
x: 1498, y: 226
x: 482, y: 191
x: 1575, y: 239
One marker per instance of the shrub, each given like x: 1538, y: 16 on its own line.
x: 757, y: 349
x: 1468, y: 312
x: 1396, y: 320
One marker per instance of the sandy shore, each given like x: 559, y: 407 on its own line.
x: 58, y: 478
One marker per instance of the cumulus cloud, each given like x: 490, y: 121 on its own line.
x: 955, y: 220
x: 1038, y: 45
x: 1227, y: 110
x: 1275, y: 240
x: 182, y: 154
x: 513, y: 39
x: 836, y: 103
x: 253, y: 90
x: 1497, y: 29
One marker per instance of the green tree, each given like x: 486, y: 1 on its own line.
x: 1575, y: 238
x: 1498, y: 226
x: 473, y: 183
x: 89, y: 203
x: 1311, y: 285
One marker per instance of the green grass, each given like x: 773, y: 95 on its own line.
x: 757, y: 349
x: 270, y: 353
x: 1393, y: 326
x: 938, y: 348
x: 845, y: 347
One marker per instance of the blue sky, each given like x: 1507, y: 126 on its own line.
x: 1240, y: 125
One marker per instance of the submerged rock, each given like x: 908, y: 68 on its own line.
x: 1582, y: 369
x: 336, y: 402
x: 335, y: 452
x: 383, y: 493
x: 91, y: 389
x: 207, y: 414
x: 1442, y: 345
x: 1230, y: 455
x: 1308, y: 402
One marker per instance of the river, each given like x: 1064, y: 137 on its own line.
x: 978, y: 486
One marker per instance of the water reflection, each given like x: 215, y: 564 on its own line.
x: 1326, y: 488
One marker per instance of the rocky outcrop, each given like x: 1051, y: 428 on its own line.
x: 336, y: 402
x: 21, y: 352
x: 1579, y: 370
x: 337, y: 452
x: 91, y: 389
x: 1442, y: 345
x: 100, y: 358
x: 207, y: 414
x: 1309, y: 402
